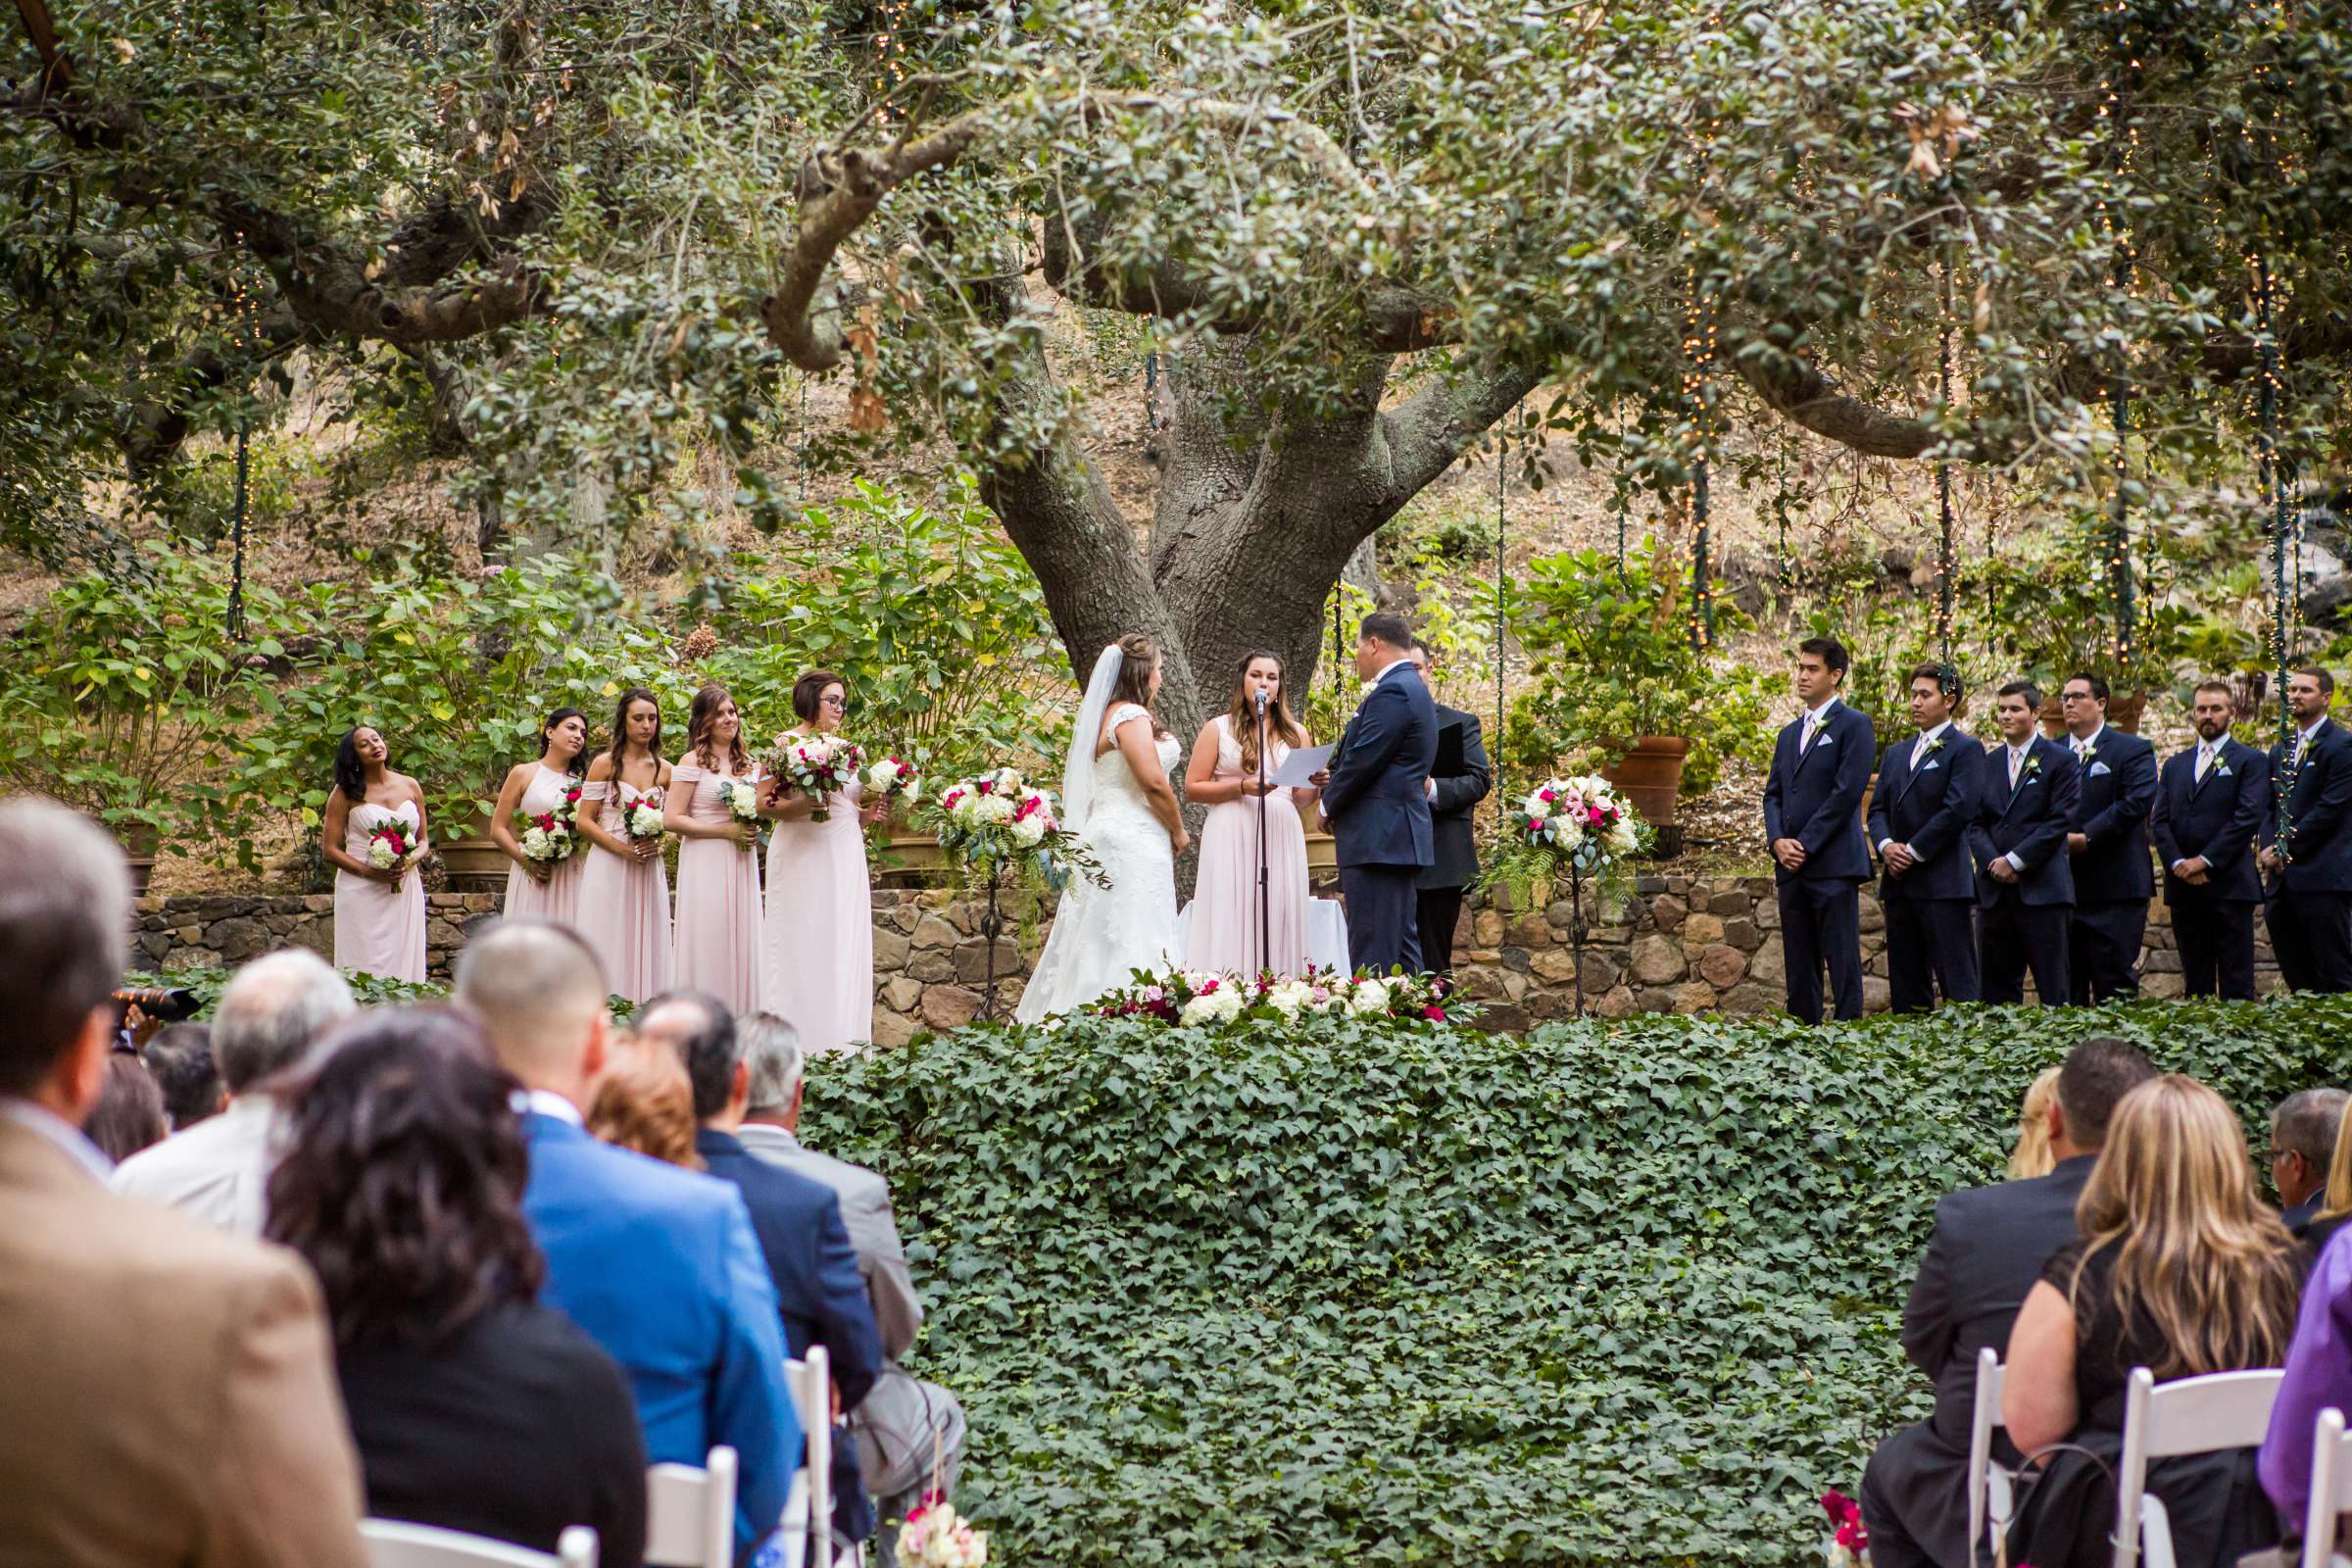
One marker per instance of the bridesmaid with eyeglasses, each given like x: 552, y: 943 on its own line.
x: 818, y: 937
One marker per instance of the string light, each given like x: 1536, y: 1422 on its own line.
x: 1947, y: 562
x: 890, y: 54
x: 1698, y: 360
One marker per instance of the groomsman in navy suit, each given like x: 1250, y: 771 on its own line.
x: 2210, y: 801
x: 1918, y: 819
x: 2311, y: 857
x: 2024, y: 887
x: 1813, y: 819
x: 2108, y: 845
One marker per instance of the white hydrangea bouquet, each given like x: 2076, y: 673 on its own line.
x: 641, y: 819
x: 551, y: 836
x: 1573, y: 829
x: 820, y: 767
x: 1194, y: 999
x: 936, y: 1537
x: 741, y: 797
x: 891, y: 778
x: 998, y: 821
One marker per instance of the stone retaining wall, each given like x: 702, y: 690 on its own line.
x: 1682, y: 945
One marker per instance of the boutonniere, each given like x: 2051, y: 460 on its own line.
x: 2032, y: 766
x: 2090, y: 752
x: 1370, y: 687
x: 1933, y: 746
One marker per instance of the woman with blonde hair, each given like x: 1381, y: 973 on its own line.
x: 2032, y: 1156
x: 2179, y: 1267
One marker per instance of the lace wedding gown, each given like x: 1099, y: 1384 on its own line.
x: 1101, y: 935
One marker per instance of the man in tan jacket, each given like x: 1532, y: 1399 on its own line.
x: 166, y: 1392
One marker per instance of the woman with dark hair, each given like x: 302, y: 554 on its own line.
x: 374, y: 814
x: 820, y: 931
x: 1223, y: 935
x: 129, y: 1113
x: 546, y: 886
x: 181, y: 1059
x: 473, y: 1406
x: 625, y: 892
x: 717, y: 946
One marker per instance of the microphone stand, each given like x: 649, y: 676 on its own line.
x: 1265, y: 907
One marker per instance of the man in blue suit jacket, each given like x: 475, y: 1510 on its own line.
x: 2311, y: 857
x: 1919, y: 817
x: 658, y: 1264
x: 2025, y: 883
x: 1375, y: 803
x: 1813, y: 820
x: 2210, y: 801
x: 2108, y: 845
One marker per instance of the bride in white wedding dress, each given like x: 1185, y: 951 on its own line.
x: 1117, y: 796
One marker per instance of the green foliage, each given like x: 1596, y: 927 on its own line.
x: 368, y: 989
x: 1322, y: 1292
x: 1611, y: 656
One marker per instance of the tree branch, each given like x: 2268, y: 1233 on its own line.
x: 1418, y: 440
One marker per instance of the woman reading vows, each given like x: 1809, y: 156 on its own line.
x: 820, y: 933
x: 536, y: 823
x: 375, y: 834
x: 1223, y: 776
x: 714, y: 807
x: 625, y: 892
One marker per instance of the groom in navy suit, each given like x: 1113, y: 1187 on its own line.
x: 1813, y: 820
x: 1919, y: 817
x: 1374, y: 800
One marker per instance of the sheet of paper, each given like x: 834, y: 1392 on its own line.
x: 1298, y: 770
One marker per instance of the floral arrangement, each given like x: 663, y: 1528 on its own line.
x: 1849, y: 1541
x: 997, y: 819
x: 390, y: 845
x: 891, y: 779
x: 935, y: 1537
x: 552, y: 836
x: 641, y: 819
x: 1575, y: 829
x: 1194, y: 999
x: 820, y: 767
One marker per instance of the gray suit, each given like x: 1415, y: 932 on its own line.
x: 898, y: 1422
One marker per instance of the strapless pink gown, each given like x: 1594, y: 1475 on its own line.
x: 557, y: 899
x: 379, y: 929
x: 624, y: 902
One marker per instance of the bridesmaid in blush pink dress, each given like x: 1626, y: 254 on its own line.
x: 379, y: 912
x: 717, y: 946
x: 625, y: 892
x: 819, y: 934
x: 548, y: 890
x: 1224, y: 933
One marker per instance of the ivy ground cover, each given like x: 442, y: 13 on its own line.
x: 1376, y: 1294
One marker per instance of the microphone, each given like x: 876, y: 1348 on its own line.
x: 1262, y: 702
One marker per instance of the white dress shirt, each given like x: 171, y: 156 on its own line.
x: 218, y: 1170
x: 2209, y: 754
x: 2303, y: 738
x: 546, y: 1102
x: 1926, y: 737
x: 2087, y: 742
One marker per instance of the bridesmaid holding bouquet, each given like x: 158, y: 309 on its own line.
x: 714, y: 807
x: 374, y: 836
x: 625, y: 892
x: 1223, y: 776
x: 548, y: 885
x: 819, y: 932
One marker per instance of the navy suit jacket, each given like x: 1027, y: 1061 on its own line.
x: 821, y: 1294
x: 1374, y: 800
x: 1930, y: 806
x: 2215, y: 820
x: 2117, y: 790
x: 2318, y: 849
x: 2032, y: 821
x: 1816, y: 797
x: 660, y: 1266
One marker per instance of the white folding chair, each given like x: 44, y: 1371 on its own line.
x: 2195, y: 1416
x: 1982, y: 1481
x: 395, y: 1543
x: 690, y: 1513
x: 2331, y: 1489
x: 808, y: 1513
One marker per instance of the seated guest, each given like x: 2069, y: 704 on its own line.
x: 642, y: 1100
x: 2031, y: 1157
x: 2179, y: 1269
x: 1989, y: 1245
x: 475, y: 1407
x: 2302, y: 1143
x: 660, y: 1266
x: 181, y: 1059
x: 2319, y: 1373
x: 170, y: 1391
x: 129, y: 1113
x: 2336, y: 1199
x: 268, y: 1017
x: 797, y: 1220
x: 905, y: 1427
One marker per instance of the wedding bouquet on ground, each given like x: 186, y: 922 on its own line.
x: 1574, y: 829
x: 998, y: 819
x: 551, y: 836
x: 641, y: 819
x: 391, y: 845
x: 741, y: 797
x: 892, y: 779
x: 1194, y: 998
x: 934, y: 1537
x: 820, y: 767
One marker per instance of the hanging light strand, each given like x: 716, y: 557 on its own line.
x: 1948, y: 559
x: 2272, y: 470
x: 1698, y: 359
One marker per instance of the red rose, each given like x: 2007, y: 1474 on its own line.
x: 1434, y: 1014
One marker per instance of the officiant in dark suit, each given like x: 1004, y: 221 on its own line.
x: 1376, y: 799
x: 2209, y: 804
x: 1813, y: 820
x: 1918, y: 819
x: 1458, y: 780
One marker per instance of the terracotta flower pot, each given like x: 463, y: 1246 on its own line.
x: 919, y: 859
x: 1651, y: 775
x: 2125, y: 710
x: 473, y: 864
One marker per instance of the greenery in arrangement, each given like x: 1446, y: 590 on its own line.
x: 368, y: 989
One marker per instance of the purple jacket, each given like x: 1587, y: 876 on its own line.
x: 2318, y: 1374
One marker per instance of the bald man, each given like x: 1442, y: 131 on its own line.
x: 659, y: 1265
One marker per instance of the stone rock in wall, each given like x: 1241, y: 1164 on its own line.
x: 1657, y: 960
x: 1694, y: 996
x: 1722, y: 966
x: 1750, y: 999
x: 971, y: 960
x: 893, y: 1030
x: 950, y: 1007
x: 1874, y: 916
x: 900, y: 993
x: 1700, y: 929
x: 1666, y: 913
x: 891, y: 947
x: 934, y: 932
